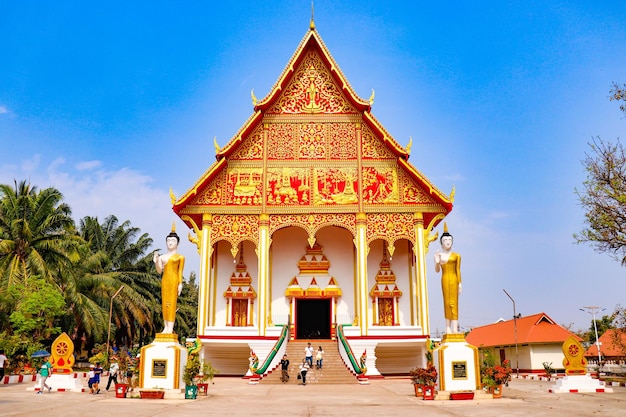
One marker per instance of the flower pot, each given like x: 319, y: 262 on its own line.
x: 152, y: 394
x: 429, y: 392
x: 496, y: 391
x: 419, y: 392
x: 191, y: 392
x: 203, y: 388
x: 121, y: 390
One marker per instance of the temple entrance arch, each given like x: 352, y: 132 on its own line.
x: 313, y: 318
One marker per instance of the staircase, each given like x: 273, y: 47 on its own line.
x: 333, y: 369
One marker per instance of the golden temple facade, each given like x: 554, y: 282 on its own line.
x: 312, y: 210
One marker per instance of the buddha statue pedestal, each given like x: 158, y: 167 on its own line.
x: 162, y: 366
x: 457, y: 366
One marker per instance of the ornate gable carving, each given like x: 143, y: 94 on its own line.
x: 312, y: 89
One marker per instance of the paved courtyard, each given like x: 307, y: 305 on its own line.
x: 391, y: 397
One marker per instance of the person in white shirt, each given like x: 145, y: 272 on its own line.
x: 3, y: 360
x: 114, y: 369
x: 304, y: 367
x: 308, y: 354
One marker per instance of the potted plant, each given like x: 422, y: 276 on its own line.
x: 494, y: 377
x: 424, y: 380
x: 192, y: 369
x: 207, y: 374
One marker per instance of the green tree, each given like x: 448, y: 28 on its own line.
x: 187, y: 315
x: 113, y: 257
x: 36, y: 240
x: 604, y: 194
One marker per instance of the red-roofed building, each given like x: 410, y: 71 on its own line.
x: 609, y: 350
x: 539, y: 340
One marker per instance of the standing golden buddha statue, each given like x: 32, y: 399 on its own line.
x: 170, y: 265
x: 450, y: 264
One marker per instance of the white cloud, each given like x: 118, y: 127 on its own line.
x: 86, y: 165
x: 3, y: 109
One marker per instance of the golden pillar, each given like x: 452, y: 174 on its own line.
x: 205, y: 290
x: 361, y: 272
x: 264, y: 268
x: 421, y: 288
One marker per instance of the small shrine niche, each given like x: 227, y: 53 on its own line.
x: 240, y: 296
x: 313, y: 266
x: 385, y: 294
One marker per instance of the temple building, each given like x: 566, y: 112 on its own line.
x: 312, y: 225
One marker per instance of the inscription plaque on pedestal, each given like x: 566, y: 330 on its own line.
x: 159, y: 368
x: 459, y: 370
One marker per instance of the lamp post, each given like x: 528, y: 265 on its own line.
x: 110, y: 314
x: 593, y: 310
x: 515, y: 331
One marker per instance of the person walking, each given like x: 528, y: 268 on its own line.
x: 45, y: 371
x: 308, y: 354
x: 97, y: 373
x: 114, y: 369
x: 304, y: 367
x: 3, y: 362
x: 284, y: 368
x: 319, y: 357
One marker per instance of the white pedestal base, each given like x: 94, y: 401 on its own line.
x: 457, y: 364
x: 62, y: 382
x: 163, y: 363
x: 579, y: 383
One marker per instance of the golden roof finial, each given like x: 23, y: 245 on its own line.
x: 312, y: 25
x: 217, y: 147
x: 174, y: 226
x: 172, y: 196
x: 254, y: 99
x: 408, y: 147
x: 452, y: 194
x: 371, y: 99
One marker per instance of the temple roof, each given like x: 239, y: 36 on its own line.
x: 288, y: 98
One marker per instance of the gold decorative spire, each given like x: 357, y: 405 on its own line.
x: 174, y: 227
x: 254, y: 99
x: 172, y: 196
x: 408, y: 147
x: 452, y: 194
x: 445, y: 227
x: 371, y: 99
x: 312, y: 25
x: 217, y: 147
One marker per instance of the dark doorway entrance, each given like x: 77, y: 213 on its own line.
x: 313, y: 318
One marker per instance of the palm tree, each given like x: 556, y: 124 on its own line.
x: 36, y: 237
x: 111, y: 259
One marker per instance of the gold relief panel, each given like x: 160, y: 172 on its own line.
x: 212, y: 194
x: 335, y: 186
x: 243, y: 186
x: 412, y: 193
x: 312, y: 141
x: 288, y: 186
x: 380, y: 185
x: 312, y: 90
x: 251, y: 147
x: 235, y: 228
x: 281, y: 143
x: 312, y: 222
x: 342, y: 141
x: 373, y: 147
x: 390, y: 226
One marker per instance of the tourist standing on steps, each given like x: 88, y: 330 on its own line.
x: 304, y: 367
x: 308, y: 354
x: 319, y: 357
x: 45, y: 371
x: 284, y: 368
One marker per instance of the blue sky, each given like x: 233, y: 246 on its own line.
x: 114, y: 103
